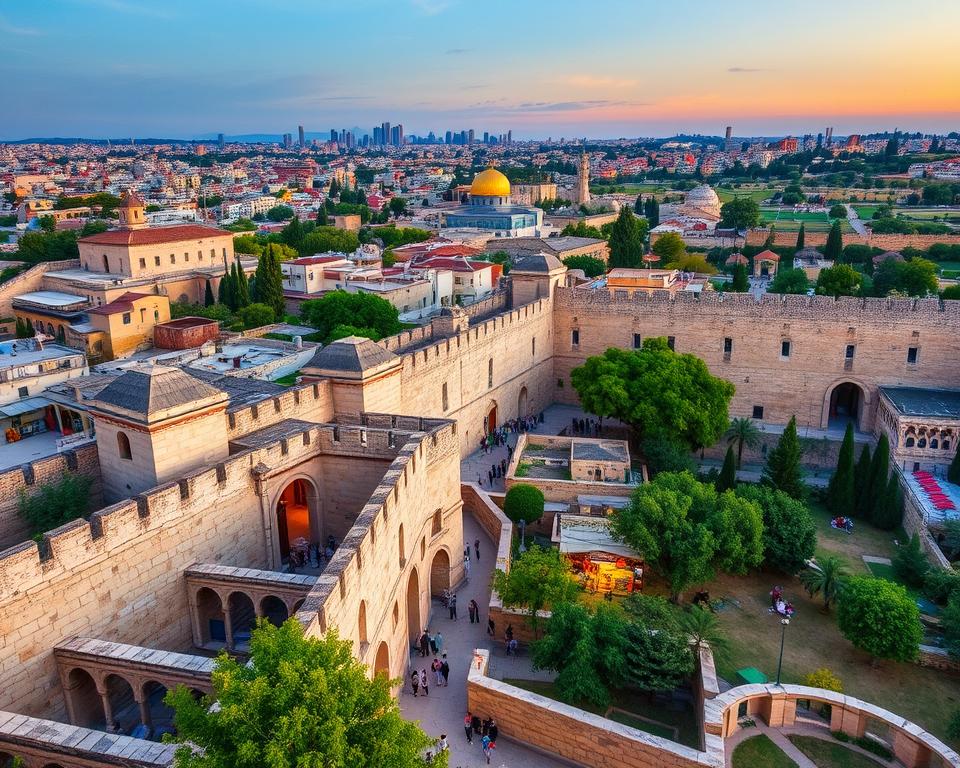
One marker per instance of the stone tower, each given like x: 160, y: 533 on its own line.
x: 583, y: 179
x: 132, y: 211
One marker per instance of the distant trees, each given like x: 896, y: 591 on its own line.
x: 669, y: 247
x: 234, y: 292
x: 323, y: 239
x: 357, y: 310
x: 581, y: 229
x: 398, y: 206
x: 54, y: 503
x: 740, y: 213
x: 792, y: 280
x: 268, y: 281
x: 256, y: 315
x: 801, y: 237
x: 834, y: 247
x: 591, y: 265
x: 627, y: 240
x: 651, y: 209
x: 739, y: 282
x: 839, y: 280
x: 916, y: 277
x: 280, y: 213
x: 838, y: 211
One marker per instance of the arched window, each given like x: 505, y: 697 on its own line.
x: 909, y: 442
x: 490, y: 373
x: 362, y: 622
x: 403, y: 551
x: 934, y: 443
x: 123, y: 443
x: 922, y: 442
x: 946, y: 445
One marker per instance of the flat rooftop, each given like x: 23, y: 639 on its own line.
x: 24, y: 351
x: 52, y: 299
x: 605, y: 450
x: 916, y: 401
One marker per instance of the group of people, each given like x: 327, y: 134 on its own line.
x: 778, y: 604
x: 586, y: 427
x: 427, y: 643
x: 487, y: 731
x: 842, y: 523
x: 499, y: 470
x: 305, y: 555
x: 420, y: 681
x: 498, y: 437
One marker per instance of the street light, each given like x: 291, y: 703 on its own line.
x: 783, y: 633
x: 523, y: 528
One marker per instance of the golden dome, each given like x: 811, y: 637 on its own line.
x: 490, y: 183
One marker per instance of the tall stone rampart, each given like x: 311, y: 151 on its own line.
x: 29, y: 281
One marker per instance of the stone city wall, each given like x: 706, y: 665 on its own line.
x: 83, y: 460
x: 886, y: 242
x: 29, y: 281
x: 308, y: 402
x: 818, y: 328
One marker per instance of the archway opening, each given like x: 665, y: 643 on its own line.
x: 522, y: 403
x: 297, y: 519
x: 6, y: 760
x: 382, y: 663
x: 211, y: 618
x: 490, y: 421
x: 414, y: 627
x: 846, y: 405
x: 298, y: 605
x: 161, y: 715
x: 123, y: 705
x: 439, y: 573
x: 86, y: 704
x: 242, y: 618
x: 274, y: 610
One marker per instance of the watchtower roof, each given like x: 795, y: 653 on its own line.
x: 155, y: 390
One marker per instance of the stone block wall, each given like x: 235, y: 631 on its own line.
x: 886, y: 242
x: 309, y: 402
x: 29, y: 281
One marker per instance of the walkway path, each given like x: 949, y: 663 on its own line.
x: 775, y: 735
x: 853, y: 218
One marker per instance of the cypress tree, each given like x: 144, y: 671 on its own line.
x: 322, y: 216
x: 208, y: 300
x: 727, y: 481
x: 243, y: 288
x: 225, y: 292
x: 739, y: 283
x: 638, y: 205
x: 834, y: 248
x: 879, y: 469
x: 801, y: 237
x: 861, y: 481
x: 840, y: 491
x: 783, y: 463
x: 953, y: 471
x: 890, y: 508
x: 626, y: 241
x: 269, y: 281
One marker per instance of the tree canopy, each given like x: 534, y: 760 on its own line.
x: 793, y: 280
x: 538, y: 578
x: 324, y: 239
x: 879, y: 617
x: 299, y: 703
x: 268, y: 281
x: 839, y: 280
x: 627, y: 237
x: 657, y: 392
x: 360, y: 310
x: 523, y: 502
x: 669, y: 247
x: 740, y: 213
x: 591, y: 265
x: 789, y: 531
x: 783, y: 463
x: 916, y: 277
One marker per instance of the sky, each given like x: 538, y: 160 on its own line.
x: 596, y: 68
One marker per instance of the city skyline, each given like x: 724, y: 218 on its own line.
x: 98, y: 68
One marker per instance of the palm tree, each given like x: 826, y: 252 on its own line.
x: 704, y: 630
x: 827, y: 577
x: 743, y: 432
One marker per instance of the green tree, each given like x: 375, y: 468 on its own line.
x: 838, y: 211
x: 37, y: 247
x: 950, y: 624
x: 322, y: 219
x: 793, y: 280
x: 656, y: 658
x: 889, y: 514
x: 703, y: 629
x: 664, y: 454
x: 342, y: 331
x: 783, y: 463
x: 801, y: 237
x: 879, y: 617
x: 828, y: 579
x: 280, y: 213
x: 879, y: 469
x: 538, y: 579
x: 361, y: 310
x: 951, y: 292
x: 727, y: 480
x: 248, y: 244
x: 861, y: 482
x: 739, y: 283
x: 917, y: 277
x: 740, y: 213
x: 953, y: 471
x: 523, y: 502
x: 692, y: 262
x: 256, y: 315
x: 744, y: 433
x: 626, y: 240
x: 582, y: 229
x: 834, y: 248
x: 789, y: 531
x: 911, y: 564
x: 324, y: 239
x: 93, y: 227
x: 656, y: 391
x: 669, y: 247
x: 839, y: 280
x: 651, y: 210
x: 54, y: 503
x: 398, y: 206
x: 685, y: 530
x: 591, y: 265
x: 293, y: 233
x: 841, y: 491
x: 226, y: 292
x: 824, y: 678
x: 269, y: 281
x: 242, y: 285
x: 208, y: 298
x: 298, y: 702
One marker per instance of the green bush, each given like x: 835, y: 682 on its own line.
x: 939, y: 585
x: 55, y: 503
x: 911, y: 564
x: 524, y: 502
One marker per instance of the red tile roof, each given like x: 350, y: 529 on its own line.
x: 155, y: 235
x: 310, y: 260
x: 123, y: 303
x: 454, y: 264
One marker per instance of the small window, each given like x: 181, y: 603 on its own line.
x: 672, y: 342
x: 186, y: 256
x: 156, y: 315
x: 143, y: 315
x: 559, y: 383
x: 934, y: 443
x: 575, y: 337
x: 912, y: 354
x: 446, y: 403
x: 727, y: 345
x: 437, y: 524
x: 490, y: 373
x: 123, y: 445
x: 533, y: 347
x: 173, y: 258
x: 143, y: 263
x: 851, y: 350
x: 637, y: 341
x: 156, y: 261
x: 757, y: 412
x: 909, y: 442
x: 946, y: 445
x: 23, y: 391
x: 126, y: 318
x: 784, y: 348
x: 922, y: 442
x: 199, y: 255
x: 213, y: 253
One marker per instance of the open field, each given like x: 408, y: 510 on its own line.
x: 787, y: 220
x: 866, y: 212
x: 757, y: 193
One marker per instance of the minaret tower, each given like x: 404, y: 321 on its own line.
x: 583, y: 179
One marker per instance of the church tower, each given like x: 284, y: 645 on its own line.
x: 132, y: 211
x: 583, y: 179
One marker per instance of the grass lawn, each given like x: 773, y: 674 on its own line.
x: 866, y: 211
x: 865, y: 540
x: 760, y: 751
x: 757, y: 193
x: 638, y: 712
x: 786, y: 220
x: 831, y: 754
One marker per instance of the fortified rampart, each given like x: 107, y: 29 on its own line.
x: 307, y: 402
x: 786, y: 355
x: 889, y: 242
x: 29, y: 281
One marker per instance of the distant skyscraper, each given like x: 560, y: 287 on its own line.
x: 583, y: 179
x: 448, y: 137
x: 486, y: 137
x: 300, y: 136
x: 220, y: 141
x: 377, y: 136
x: 387, y: 134
x: 829, y: 136
x: 470, y: 136
x: 333, y: 134
x: 400, y: 135
x: 728, y: 143
x: 510, y: 137
x: 287, y: 140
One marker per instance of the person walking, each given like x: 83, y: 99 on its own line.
x: 468, y: 727
x: 442, y: 744
x: 492, y: 730
x: 466, y: 566
x: 424, y: 682
x: 425, y: 644
x: 415, y: 682
x: 488, y: 746
x: 435, y: 666
x: 445, y: 671
x: 438, y: 638
x: 474, y: 612
x: 476, y: 548
x: 491, y: 627
x: 453, y: 607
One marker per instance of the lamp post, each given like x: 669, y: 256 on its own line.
x: 783, y: 633
x: 523, y: 528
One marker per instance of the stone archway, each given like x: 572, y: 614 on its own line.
x: 490, y: 420
x: 381, y: 664
x: 298, y: 516
x: 210, y: 617
x: 522, y: 403
x: 844, y: 402
x: 274, y: 610
x: 439, y: 573
x: 83, y: 700
x: 243, y: 618
x: 414, y: 624
x: 124, y: 709
x: 6, y: 760
x: 155, y: 709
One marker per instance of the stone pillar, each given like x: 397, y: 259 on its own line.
x: 195, y: 626
x: 107, y: 709
x: 140, y: 697
x: 257, y: 606
x: 911, y: 753
x: 227, y: 625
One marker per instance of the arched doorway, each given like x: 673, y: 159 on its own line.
x: 297, y: 517
x: 274, y: 610
x: 414, y: 626
x: 382, y: 663
x: 210, y: 617
x: 522, y: 403
x: 846, y: 405
x: 439, y: 573
x: 85, y: 704
x: 243, y: 617
x: 490, y: 420
x: 160, y: 715
x: 124, y: 709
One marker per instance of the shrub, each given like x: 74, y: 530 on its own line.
x: 910, y: 563
x: 939, y: 585
x: 824, y: 678
x: 953, y: 727
x: 55, y: 503
x: 523, y: 502
x: 665, y: 455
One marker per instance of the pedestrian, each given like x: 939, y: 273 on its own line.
x: 436, y: 671
x: 442, y: 743
x: 424, y: 644
x: 488, y: 747
x: 439, y: 640
x: 466, y: 551
x: 490, y: 477
x: 453, y: 607
x: 424, y: 682
x: 415, y: 681
x: 466, y: 566
x: 468, y: 727
x: 479, y: 480
x: 476, y: 548
x: 491, y: 627
x: 474, y: 612
x: 492, y: 730
x: 445, y: 671
x: 476, y: 725
x: 433, y: 644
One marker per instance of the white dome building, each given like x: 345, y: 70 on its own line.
x: 701, y: 203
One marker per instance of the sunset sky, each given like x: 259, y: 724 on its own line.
x: 606, y: 68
